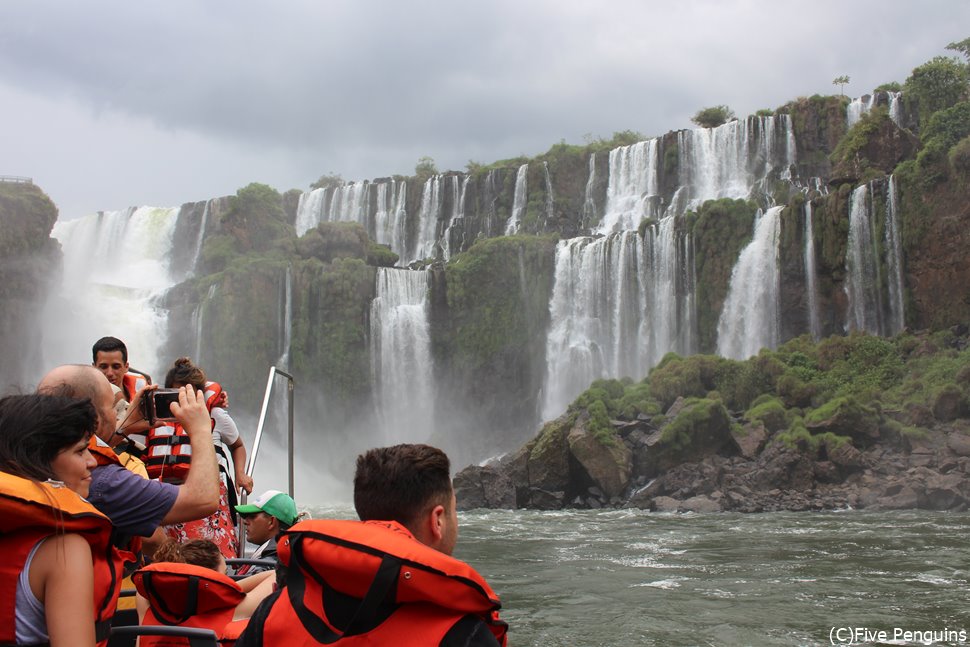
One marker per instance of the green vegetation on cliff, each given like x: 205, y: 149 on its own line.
x: 839, y: 390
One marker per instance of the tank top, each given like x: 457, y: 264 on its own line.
x: 30, y: 615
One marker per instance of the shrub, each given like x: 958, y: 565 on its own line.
x: 713, y: 116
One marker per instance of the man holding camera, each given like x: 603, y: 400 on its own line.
x: 137, y: 506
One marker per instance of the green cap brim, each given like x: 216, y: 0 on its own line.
x: 247, y: 509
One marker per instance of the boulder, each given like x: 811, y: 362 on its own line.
x: 484, y: 487
x: 607, y: 465
x: 548, y: 461
x: 750, y: 439
x: 959, y: 444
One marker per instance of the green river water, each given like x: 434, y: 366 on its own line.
x: 616, y: 578
x: 626, y: 577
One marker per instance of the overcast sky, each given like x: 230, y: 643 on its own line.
x: 116, y: 103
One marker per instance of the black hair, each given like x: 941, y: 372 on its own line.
x: 35, y: 428
x: 109, y: 345
x: 401, y: 483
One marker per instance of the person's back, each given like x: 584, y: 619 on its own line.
x: 388, y: 579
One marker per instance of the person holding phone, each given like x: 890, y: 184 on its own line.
x: 137, y: 506
x: 167, y: 460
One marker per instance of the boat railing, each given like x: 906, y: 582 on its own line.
x: 251, y: 461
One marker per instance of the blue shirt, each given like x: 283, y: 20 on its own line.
x: 135, y: 505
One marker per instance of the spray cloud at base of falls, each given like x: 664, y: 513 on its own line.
x: 401, y: 355
x: 116, y: 263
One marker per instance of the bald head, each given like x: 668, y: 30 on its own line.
x: 84, y: 382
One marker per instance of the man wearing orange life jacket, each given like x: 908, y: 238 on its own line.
x: 138, y: 506
x: 387, y: 580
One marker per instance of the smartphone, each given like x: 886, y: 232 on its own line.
x: 158, y: 406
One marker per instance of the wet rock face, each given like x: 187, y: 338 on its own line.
x: 30, y: 265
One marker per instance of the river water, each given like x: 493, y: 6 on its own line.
x: 584, y: 578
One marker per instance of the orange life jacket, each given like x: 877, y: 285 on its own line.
x: 169, y: 452
x: 32, y: 511
x: 132, y: 383
x: 186, y: 595
x: 396, y: 590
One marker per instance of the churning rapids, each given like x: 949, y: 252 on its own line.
x: 618, y: 578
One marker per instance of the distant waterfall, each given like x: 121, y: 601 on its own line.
x: 750, y: 318
x: 198, y: 323
x: 619, y: 304
x: 391, y: 216
x: 550, y: 198
x: 858, y: 107
x: 865, y: 104
x: 309, y: 210
x: 115, y: 264
x: 401, y: 355
x: 457, y: 211
x: 875, y: 300
x: 631, y: 194
x: 428, y: 217
x: 286, y: 319
x: 735, y: 160
x: 811, y: 289
x: 589, y: 204
x: 894, y: 264
x: 203, y: 226
x: 519, y: 201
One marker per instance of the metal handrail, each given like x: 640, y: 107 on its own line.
x: 251, y: 461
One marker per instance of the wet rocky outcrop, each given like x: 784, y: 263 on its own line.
x: 30, y: 266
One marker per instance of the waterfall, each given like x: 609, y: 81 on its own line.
x: 631, y: 193
x: 401, y: 355
x: 203, y: 226
x: 286, y: 320
x: 896, y: 108
x: 811, y: 289
x: 858, y: 107
x: 550, y: 198
x: 619, y: 304
x: 735, y: 160
x: 115, y: 264
x: 865, y: 104
x: 894, y: 265
x: 198, y: 320
x: 519, y: 200
x: 391, y: 216
x: 862, y: 268
x: 750, y: 318
x: 309, y: 210
x: 589, y: 204
x: 457, y: 212
x: 428, y: 217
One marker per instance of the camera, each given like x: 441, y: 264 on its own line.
x: 157, y: 406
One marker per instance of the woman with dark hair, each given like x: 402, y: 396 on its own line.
x: 55, y: 544
x: 165, y: 459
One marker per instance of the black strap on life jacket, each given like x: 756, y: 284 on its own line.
x: 162, y: 612
x: 173, y: 439
x: 365, y: 614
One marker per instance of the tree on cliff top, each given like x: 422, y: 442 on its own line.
x: 841, y: 81
x: 962, y: 46
x: 936, y: 85
x: 713, y: 117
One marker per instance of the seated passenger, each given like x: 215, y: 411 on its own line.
x: 388, y: 579
x: 267, y: 516
x: 56, y: 578
x: 165, y: 594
